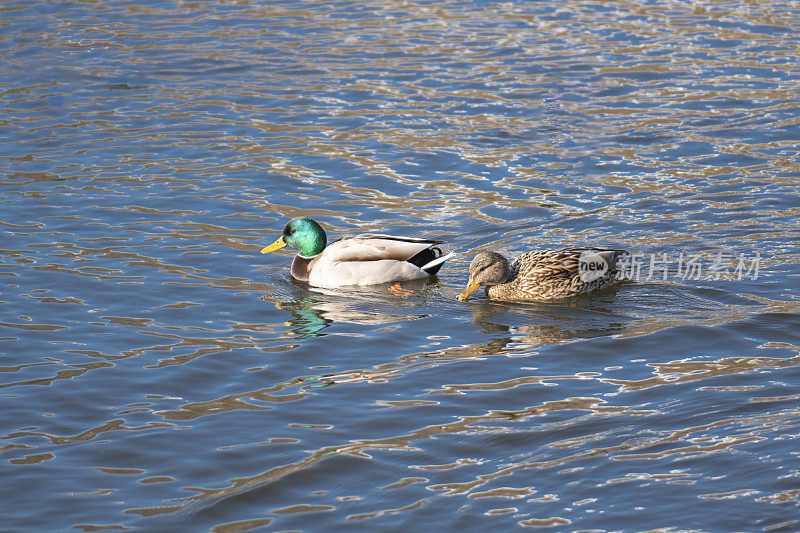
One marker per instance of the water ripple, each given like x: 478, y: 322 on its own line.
x: 158, y: 371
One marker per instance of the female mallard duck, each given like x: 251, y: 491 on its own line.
x: 361, y: 260
x: 543, y: 275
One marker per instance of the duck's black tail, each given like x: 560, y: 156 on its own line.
x: 430, y: 259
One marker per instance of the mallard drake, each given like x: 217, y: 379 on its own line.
x: 361, y: 260
x: 543, y: 275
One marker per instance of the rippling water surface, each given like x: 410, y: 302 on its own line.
x: 158, y: 373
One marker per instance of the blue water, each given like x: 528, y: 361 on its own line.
x: 158, y: 373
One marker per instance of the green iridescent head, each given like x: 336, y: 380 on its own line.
x: 302, y: 234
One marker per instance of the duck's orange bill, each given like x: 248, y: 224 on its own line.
x: 277, y: 245
x: 470, y: 288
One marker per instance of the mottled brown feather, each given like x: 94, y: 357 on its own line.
x: 553, y: 274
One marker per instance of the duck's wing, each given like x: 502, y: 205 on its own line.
x: 340, y: 274
x: 375, y: 247
x: 550, y: 274
x: 372, y: 259
x: 562, y: 264
x: 544, y: 265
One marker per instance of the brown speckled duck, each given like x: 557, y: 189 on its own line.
x: 543, y: 275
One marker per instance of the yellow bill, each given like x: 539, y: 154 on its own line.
x: 277, y: 245
x: 469, y: 289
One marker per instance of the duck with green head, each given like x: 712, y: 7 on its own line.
x: 367, y: 259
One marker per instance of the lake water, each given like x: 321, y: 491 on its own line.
x: 158, y: 373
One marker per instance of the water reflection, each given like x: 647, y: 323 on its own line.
x: 314, y: 308
x: 208, y: 498
x: 552, y: 322
x: 150, y: 364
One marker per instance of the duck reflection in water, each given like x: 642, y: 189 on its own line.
x: 314, y: 308
x: 532, y: 324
